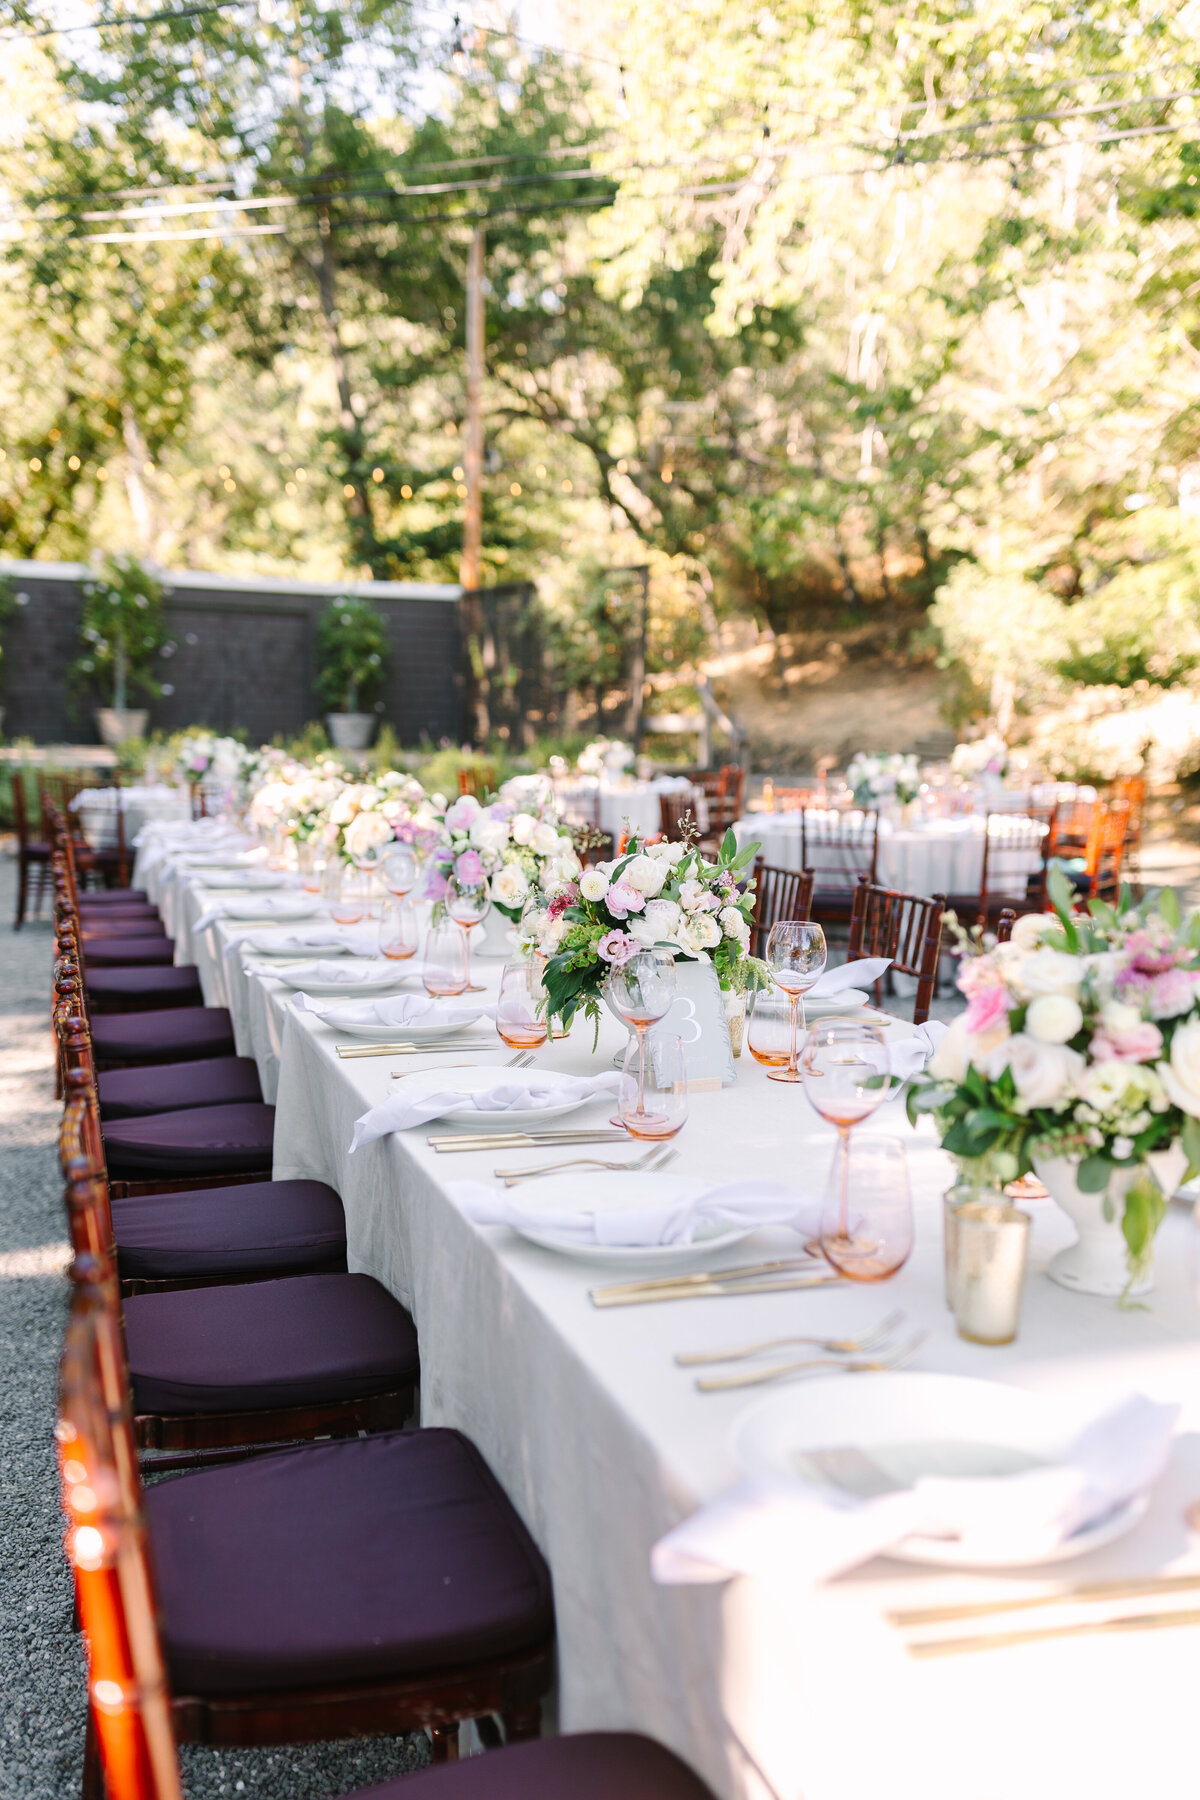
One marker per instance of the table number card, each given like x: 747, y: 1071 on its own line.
x: 697, y: 1018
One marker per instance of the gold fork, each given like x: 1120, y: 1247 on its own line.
x: 899, y: 1359
x: 689, y: 1359
x: 655, y: 1159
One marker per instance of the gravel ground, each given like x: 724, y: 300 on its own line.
x: 41, y: 1664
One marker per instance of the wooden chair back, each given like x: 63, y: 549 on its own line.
x: 841, y: 849
x: 478, y: 781
x: 1072, y: 827
x: 1105, y: 850
x: 130, y: 1752
x: 676, y: 811
x: 778, y: 894
x: 25, y: 833
x: 1004, y: 925
x: 906, y: 927
x: 1015, y: 852
x: 1131, y: 790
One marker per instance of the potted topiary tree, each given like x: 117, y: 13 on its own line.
x: 122, y: 630
x: 351, y: 660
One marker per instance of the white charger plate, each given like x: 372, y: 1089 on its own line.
x: 579, y: 1192
x: 467, y: 1080
x: 266, y: 910
x: 914, y: 1409
x: 849, y: 1000
x: 360, y: 977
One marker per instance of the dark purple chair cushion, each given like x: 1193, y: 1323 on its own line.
x: 170, y: 1035
x: 595, y: 1765
x: 122, y: 925
x: 272, y: 1227
x: 201, y: 1140
x: 99, y: 897
x: 298, y: 1342
x: 370, y: 1557
x: 128, y: 953
x: 217, y: 1081
x: 147, y: 987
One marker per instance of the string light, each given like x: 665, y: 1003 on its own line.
x: 406, y: 492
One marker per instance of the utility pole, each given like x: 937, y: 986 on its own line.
x: 472, y: 551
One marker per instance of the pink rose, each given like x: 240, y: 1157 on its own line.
x: 975, y: 973
x: 623, y: 898
x: 1171, y: 993
x: 468, y: 867
x: 463, y: 814
x: 616, y: 947
x: 1141, y: 1043
x: 985, y: 1009
x: 436, y: 887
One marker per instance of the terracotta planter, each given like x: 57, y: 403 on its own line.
x: 116, y: 726
x: 350, y: 731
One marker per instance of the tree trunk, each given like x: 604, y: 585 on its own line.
x: 140, y: 503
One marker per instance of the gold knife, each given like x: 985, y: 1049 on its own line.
x: 740, y: 1272
x: 448, y: 1147
x: 715, y: 1290
x: 1008, y: 1640
x: 406, y: 1047
x: 1135, y: 1588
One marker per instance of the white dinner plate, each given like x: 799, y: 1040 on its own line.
x: 968, y: 1427
x: 415, y: 1034
x: 466, y: 1080
x: 261, y: 881
x: 268, y: 909
x: 360, y: 977
x: 580, y: 1192
x: 848, y: 1001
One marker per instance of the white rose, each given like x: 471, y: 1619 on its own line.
x: 1181, y: 1075
x: 593, y: 884
x: 490, y: 834
x: 344, y: 808
x: 544, y: 839
x: 692, y: 895
x: 703, y: 931
x: 369, y: 797
x: 663, y: 915
x: 523, y: 826
x: 1031, y: 928
x: 950, y: 1060
x: 1045, y: 1074
x: 658, y: 851
x: 1049, y: 972
x: 1106, y: 1084
x: 1118, y: 1016
x: 568, y: 867
x: 643, y: 929
x: 509, y: 885
x: 689, y: 938
x: 1053, y: 1018
x: 367, y: 832
x: 551, y: 935
x: 646, y: 875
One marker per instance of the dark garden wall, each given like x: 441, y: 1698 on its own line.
x: 240, y: 655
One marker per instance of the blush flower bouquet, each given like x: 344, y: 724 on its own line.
x: 1080, y: 1041
x: 367, y: 815
x: 654, y: 895
x: 872, y: 778
x: 515, y: 848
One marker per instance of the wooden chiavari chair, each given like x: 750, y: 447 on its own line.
x: 1105, y: 850
x: 33, y: 855
x: 1010, y: 844
x: 778, y: 894
x: 1131, y: 790
x: 906, y: 927
x: 841, y: 849
x: 676, y: 811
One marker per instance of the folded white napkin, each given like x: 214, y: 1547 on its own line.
x: 858, y: 974
x: 244, y: 878
x: 650, y: 1220
x: 269, y: 906
x: 514, y: 1090
x: 805, y: 1532
x: 400, y: 1010
x: 347, y: 973
x: 231, y: 858
x: 908, y: 1056
x: 351, y: 940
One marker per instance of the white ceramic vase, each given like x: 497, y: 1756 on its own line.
x: 350, y: 731
x: 1098, y: 1262
x: 496, y: 938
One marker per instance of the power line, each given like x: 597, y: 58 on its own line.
x: 180, y: 12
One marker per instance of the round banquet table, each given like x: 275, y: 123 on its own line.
x: 96, y: 809
x: 936, y: 856
x: 603, y: 1443
x: 610, y: 804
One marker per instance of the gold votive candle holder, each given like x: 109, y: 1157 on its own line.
x: 991, y: 1251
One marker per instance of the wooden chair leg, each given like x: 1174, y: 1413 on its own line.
x: 22, y: 889
x: 521, y: 1723
x: 443, y: 1743
x: 93, y: 1787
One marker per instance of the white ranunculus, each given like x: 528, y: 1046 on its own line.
x: 1181, y: 1075
x: 544, y: 839
x: 367, y: 832
x: 1048, y: 972
x: 733, y: 922
x: 1031, y: 928
x: 701, y: 931
x: 1045, y: 1074
x: 523, y: 827
x: 1053, y: 1018
x: 646, y: 875
x: 489, y: 834
x: 950, y: 1060
x: 593, y: 884
x: 691, y: 895
x: 509, y: 885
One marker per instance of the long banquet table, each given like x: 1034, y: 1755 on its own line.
x: 604, y: 1444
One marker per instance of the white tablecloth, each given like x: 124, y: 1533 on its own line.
x: 612, y: 807
x: 96, y: 809
x: 603, y: 1444
x: 939, y: 856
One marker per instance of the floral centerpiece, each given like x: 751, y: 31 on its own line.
x: 366, y: 815
x: 206, y: 756
x: 1080, y: 1044
x: 653, y: 895
x: 517, y: 849
x: 875, y: 778
x: 986, y: 756
x: 606, y: 756
x: 294, y: 796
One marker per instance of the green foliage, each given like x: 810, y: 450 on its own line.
x: 439, y: 773
x: 121, y: 627
x: 352, y: 652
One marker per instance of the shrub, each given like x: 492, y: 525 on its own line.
x: 351, y: 654
x: 121, y: 627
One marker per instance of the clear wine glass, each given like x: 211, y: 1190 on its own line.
x: 467, y: 904
x: 520, y: 1009
x: 768, y: 1028
x: 344, y: 890
x: 642, y: 992
x: 796, y: 956
x: 846, y: 1073
x: 445, y: 968
x: 652, y: 1097
x: 397, y: 929
x: 867, y: 1220
x: 399, y: 870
